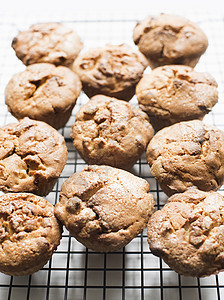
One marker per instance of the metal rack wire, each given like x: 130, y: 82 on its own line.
x: 75, y: 272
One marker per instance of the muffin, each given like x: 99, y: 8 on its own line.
x: 49, y: 43
x: 112, y: 70
x: 29, y: 233
x: 169, y: 40
x: 32, y: 157
x: 172, y: 94
x: 187, y: 154
x: 111, y: 132
x: 188, y: 233
x: 104, y: 208
x: 43, y: 92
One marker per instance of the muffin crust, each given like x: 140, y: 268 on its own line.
x: 112, y: 70
x: 171, y: 94
x: 168, y: 39
x: 43, y: 92
x: 29, y: 233
x: 49, y: 43
x: 187, y: 154
x: 111, y: 132
x: 188, y: 233
x: 104, y: 208
x: 32, y: 157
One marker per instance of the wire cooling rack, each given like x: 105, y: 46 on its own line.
x: 75, y: 272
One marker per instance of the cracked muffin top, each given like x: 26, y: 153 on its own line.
x: 187, y: 154
x: 32, y: 157
x: 43, y: 92
x: 112, y: 70
x: 111, y: 132
x: 188, y: 233
x: 169, y: 39
x: 47, y: 42
x: 171, y: 94
x: 104, y: 208
x: 29, y: 233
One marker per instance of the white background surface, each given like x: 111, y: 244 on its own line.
x: 114, y: 6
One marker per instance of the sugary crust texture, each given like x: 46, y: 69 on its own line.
x: 104, y: 208
x: 111, y: 132
x: 32, y: 157
x: 187, y: 154
x: 169, y: 39
x: 49, y: 43
x: 175, y: 93
x: 188, y: 233
x: 43, y: 92
x: 29, y: 233
x: 112, y: 70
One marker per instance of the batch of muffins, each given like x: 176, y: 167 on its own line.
x: 105, y: 206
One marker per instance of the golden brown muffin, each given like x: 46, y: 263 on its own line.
x: 43, y: 92
x: 171, y: 94
x: 112, y: 70
x: 104, y: 208
x: 111, y: 132
x: 32, y: 157
x: 49, y: 43
x: 29, y: 233
x: 187, y: 154
x: 188, y: 233
x: 169, y: 40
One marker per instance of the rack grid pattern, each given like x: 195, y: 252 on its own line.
x: 75, y: 272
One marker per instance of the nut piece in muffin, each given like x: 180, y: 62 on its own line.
x: 187, y: 154
x: 32, y: 157
x: 171, y: 94
x: 169, y: 40
x: 43, y: 92
x: 47, y: 42
x: 104, y: 208
x: 112, y: 70
x: 111, y: 132
x: 188, y: 233
x: 29, y: 233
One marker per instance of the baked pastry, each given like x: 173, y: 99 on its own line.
x: 168, y: 40
x: 111, y: 132
x: 32, y: 157
x: 29, y: 233
x: 171, y: 94
x: 47, y: 42
x: 43, y: 92
x: 187, y: 154
x: 104, y: 208
x: 112, y: 70
x: 188, y: 233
